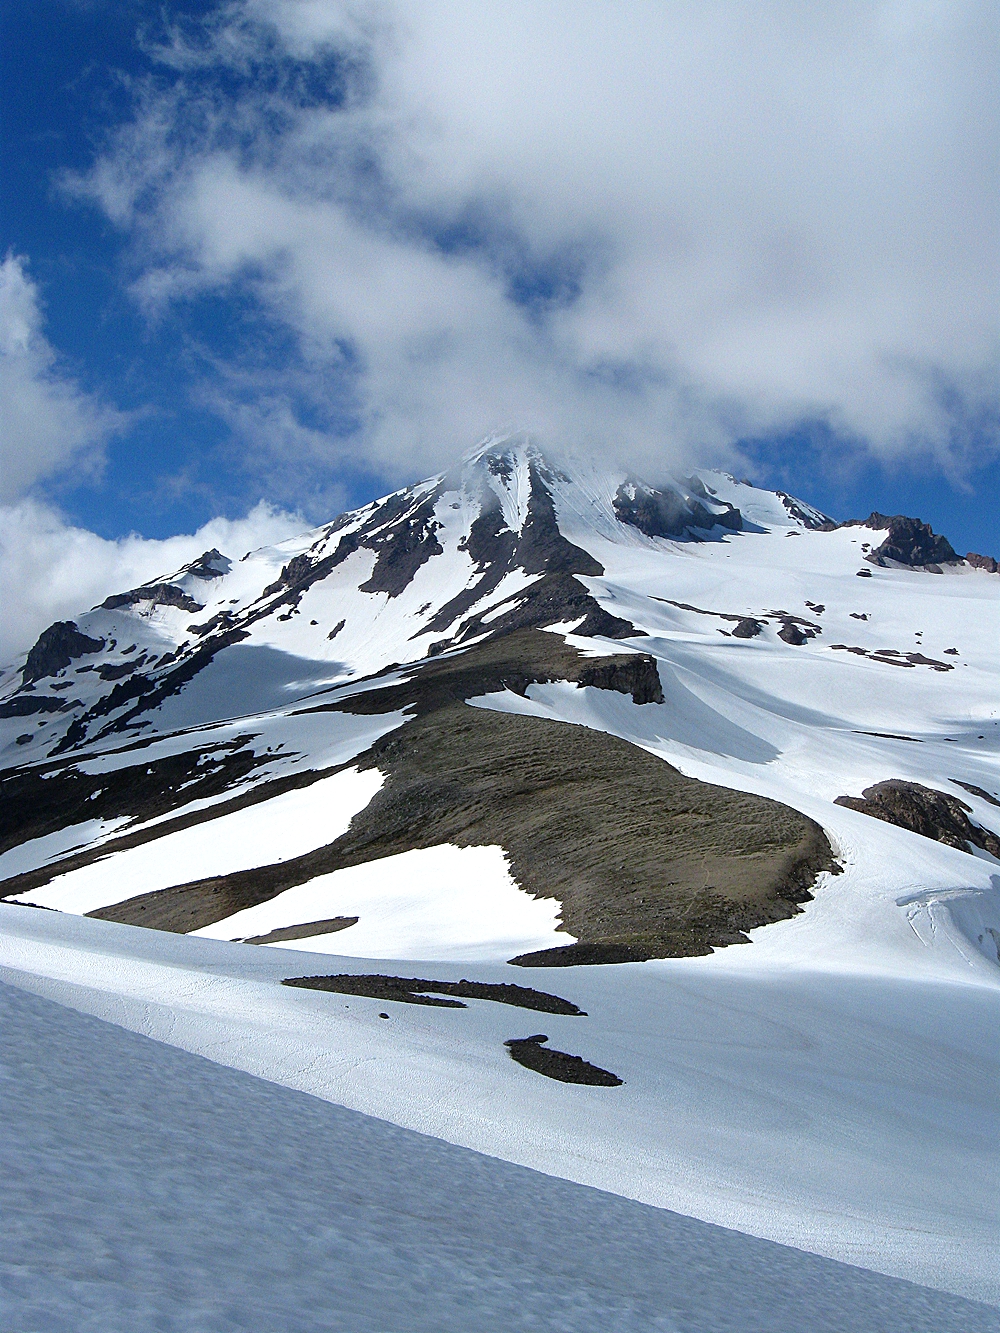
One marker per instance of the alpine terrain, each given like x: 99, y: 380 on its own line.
x: 643, y: 836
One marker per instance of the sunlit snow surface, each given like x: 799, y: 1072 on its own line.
x: 834, y: 1085
x: 853, y: 1115
x: 439, y: 902
x: 271, y: 831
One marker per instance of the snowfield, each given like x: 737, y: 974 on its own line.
x: 241, y: 1205
x: 442, y: 902
x: 830, y: 1086
x: 850, y: 1114
x: 274, y: 830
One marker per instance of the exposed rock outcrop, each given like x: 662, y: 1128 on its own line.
x: 402, y: 548
x: 27, y: 705
x: 157, y: 594
x: 747, y: 627
x: 986, y: 562
x: 932, y: 814
x: 556, y: 599
x: 55, y: 648
x: 909, y: 542
x: 668, y: 513
x: 209, y: 565
x: 810, y: 518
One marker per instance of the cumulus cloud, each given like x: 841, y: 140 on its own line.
x: 660, y: 227
x: 47, y: 422
x: 50, y: 570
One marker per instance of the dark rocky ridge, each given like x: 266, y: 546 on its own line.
x: 301, y: 572
x: 55, y: 648
x: 492, y: 545
x: 403, y: 548
x: 511, y: 661
x: 209, y: 565
x: 932, y: 814
x: 402, y: 530
x: 813, y: 520
x: 542, y: 549
x: 539, y: 548
x: 147, y: 690
x: 554, y: 599
x: 667, y: 514
x: 909, y: 542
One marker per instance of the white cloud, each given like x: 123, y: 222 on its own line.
x: 760, y: 213
x: 47, y: 423
x: 50, y: 570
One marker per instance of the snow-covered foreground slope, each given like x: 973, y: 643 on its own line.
x: 240, y: 1206
x: 852, y: 1115
x: 330, y: 749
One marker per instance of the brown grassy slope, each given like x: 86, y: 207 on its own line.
x: 637, y: 854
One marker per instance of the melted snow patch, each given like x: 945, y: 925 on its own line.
x: 434, y: 903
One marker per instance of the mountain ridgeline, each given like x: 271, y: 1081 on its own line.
x: 493, y: 585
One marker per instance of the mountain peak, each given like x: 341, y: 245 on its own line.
x: 505, y: 541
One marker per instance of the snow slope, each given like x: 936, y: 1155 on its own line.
x: 831, y: 1085
x: 418, y: 904
x: 203, y: 1217
x: 853, y: 1115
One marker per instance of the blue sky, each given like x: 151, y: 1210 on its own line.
x: 69, y: 72
x: 303, y: 253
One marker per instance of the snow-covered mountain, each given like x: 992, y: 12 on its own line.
x: 494, y: 731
